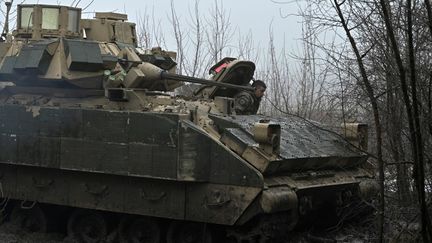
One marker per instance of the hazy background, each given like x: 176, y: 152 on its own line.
x: 256, y: 16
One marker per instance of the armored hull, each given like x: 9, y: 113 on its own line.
x: 91, y: 153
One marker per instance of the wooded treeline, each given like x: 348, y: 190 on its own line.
x: 389, y: 58
x: 360, y: 61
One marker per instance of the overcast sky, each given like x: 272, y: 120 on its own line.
x: 246, y: 15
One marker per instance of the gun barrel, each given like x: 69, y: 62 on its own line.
x: 177, y: 77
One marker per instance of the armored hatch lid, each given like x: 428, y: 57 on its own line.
x: 232, y: 71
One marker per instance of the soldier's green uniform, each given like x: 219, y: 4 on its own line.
x: 246, y: 103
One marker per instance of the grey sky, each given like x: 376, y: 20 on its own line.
x: 246, y: 15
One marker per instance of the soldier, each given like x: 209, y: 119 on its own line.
x: 246, y: 102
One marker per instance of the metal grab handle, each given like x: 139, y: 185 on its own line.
x: 42, y: 183
x: 218, y: 204
x: 30, y: 206
x: 152, y: 198
x: 96, y: 191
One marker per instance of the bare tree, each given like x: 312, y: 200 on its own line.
x: 144, y: 34
x: 179, y: 38
x: 398, y: 68
x: 246, y: 48
x: 198, y: 53
x: 219, y: 31
x: 371, y: 94
x: 412, y: 112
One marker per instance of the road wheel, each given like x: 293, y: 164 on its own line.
x: 87, y: 226
x: 185, y: 232
x: 2, y: 215
x: 139, y: 230
x: 32, y: 219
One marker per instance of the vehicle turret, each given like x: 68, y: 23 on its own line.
x: 54, y: 47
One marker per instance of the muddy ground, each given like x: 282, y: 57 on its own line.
x: 348, y: 233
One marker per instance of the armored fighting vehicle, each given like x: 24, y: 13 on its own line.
x: 94, y: 141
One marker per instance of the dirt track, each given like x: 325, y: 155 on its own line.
x: 10, y: 234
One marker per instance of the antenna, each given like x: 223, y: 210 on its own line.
x: 6, y: 24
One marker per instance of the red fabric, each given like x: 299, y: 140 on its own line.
x: 222, y: 66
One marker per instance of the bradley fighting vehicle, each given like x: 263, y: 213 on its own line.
x: 93, y: 141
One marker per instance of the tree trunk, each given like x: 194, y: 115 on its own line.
x: 412, y: 125
x: 374, y: 103
x: 429, y: 13
x: 420, y: 175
